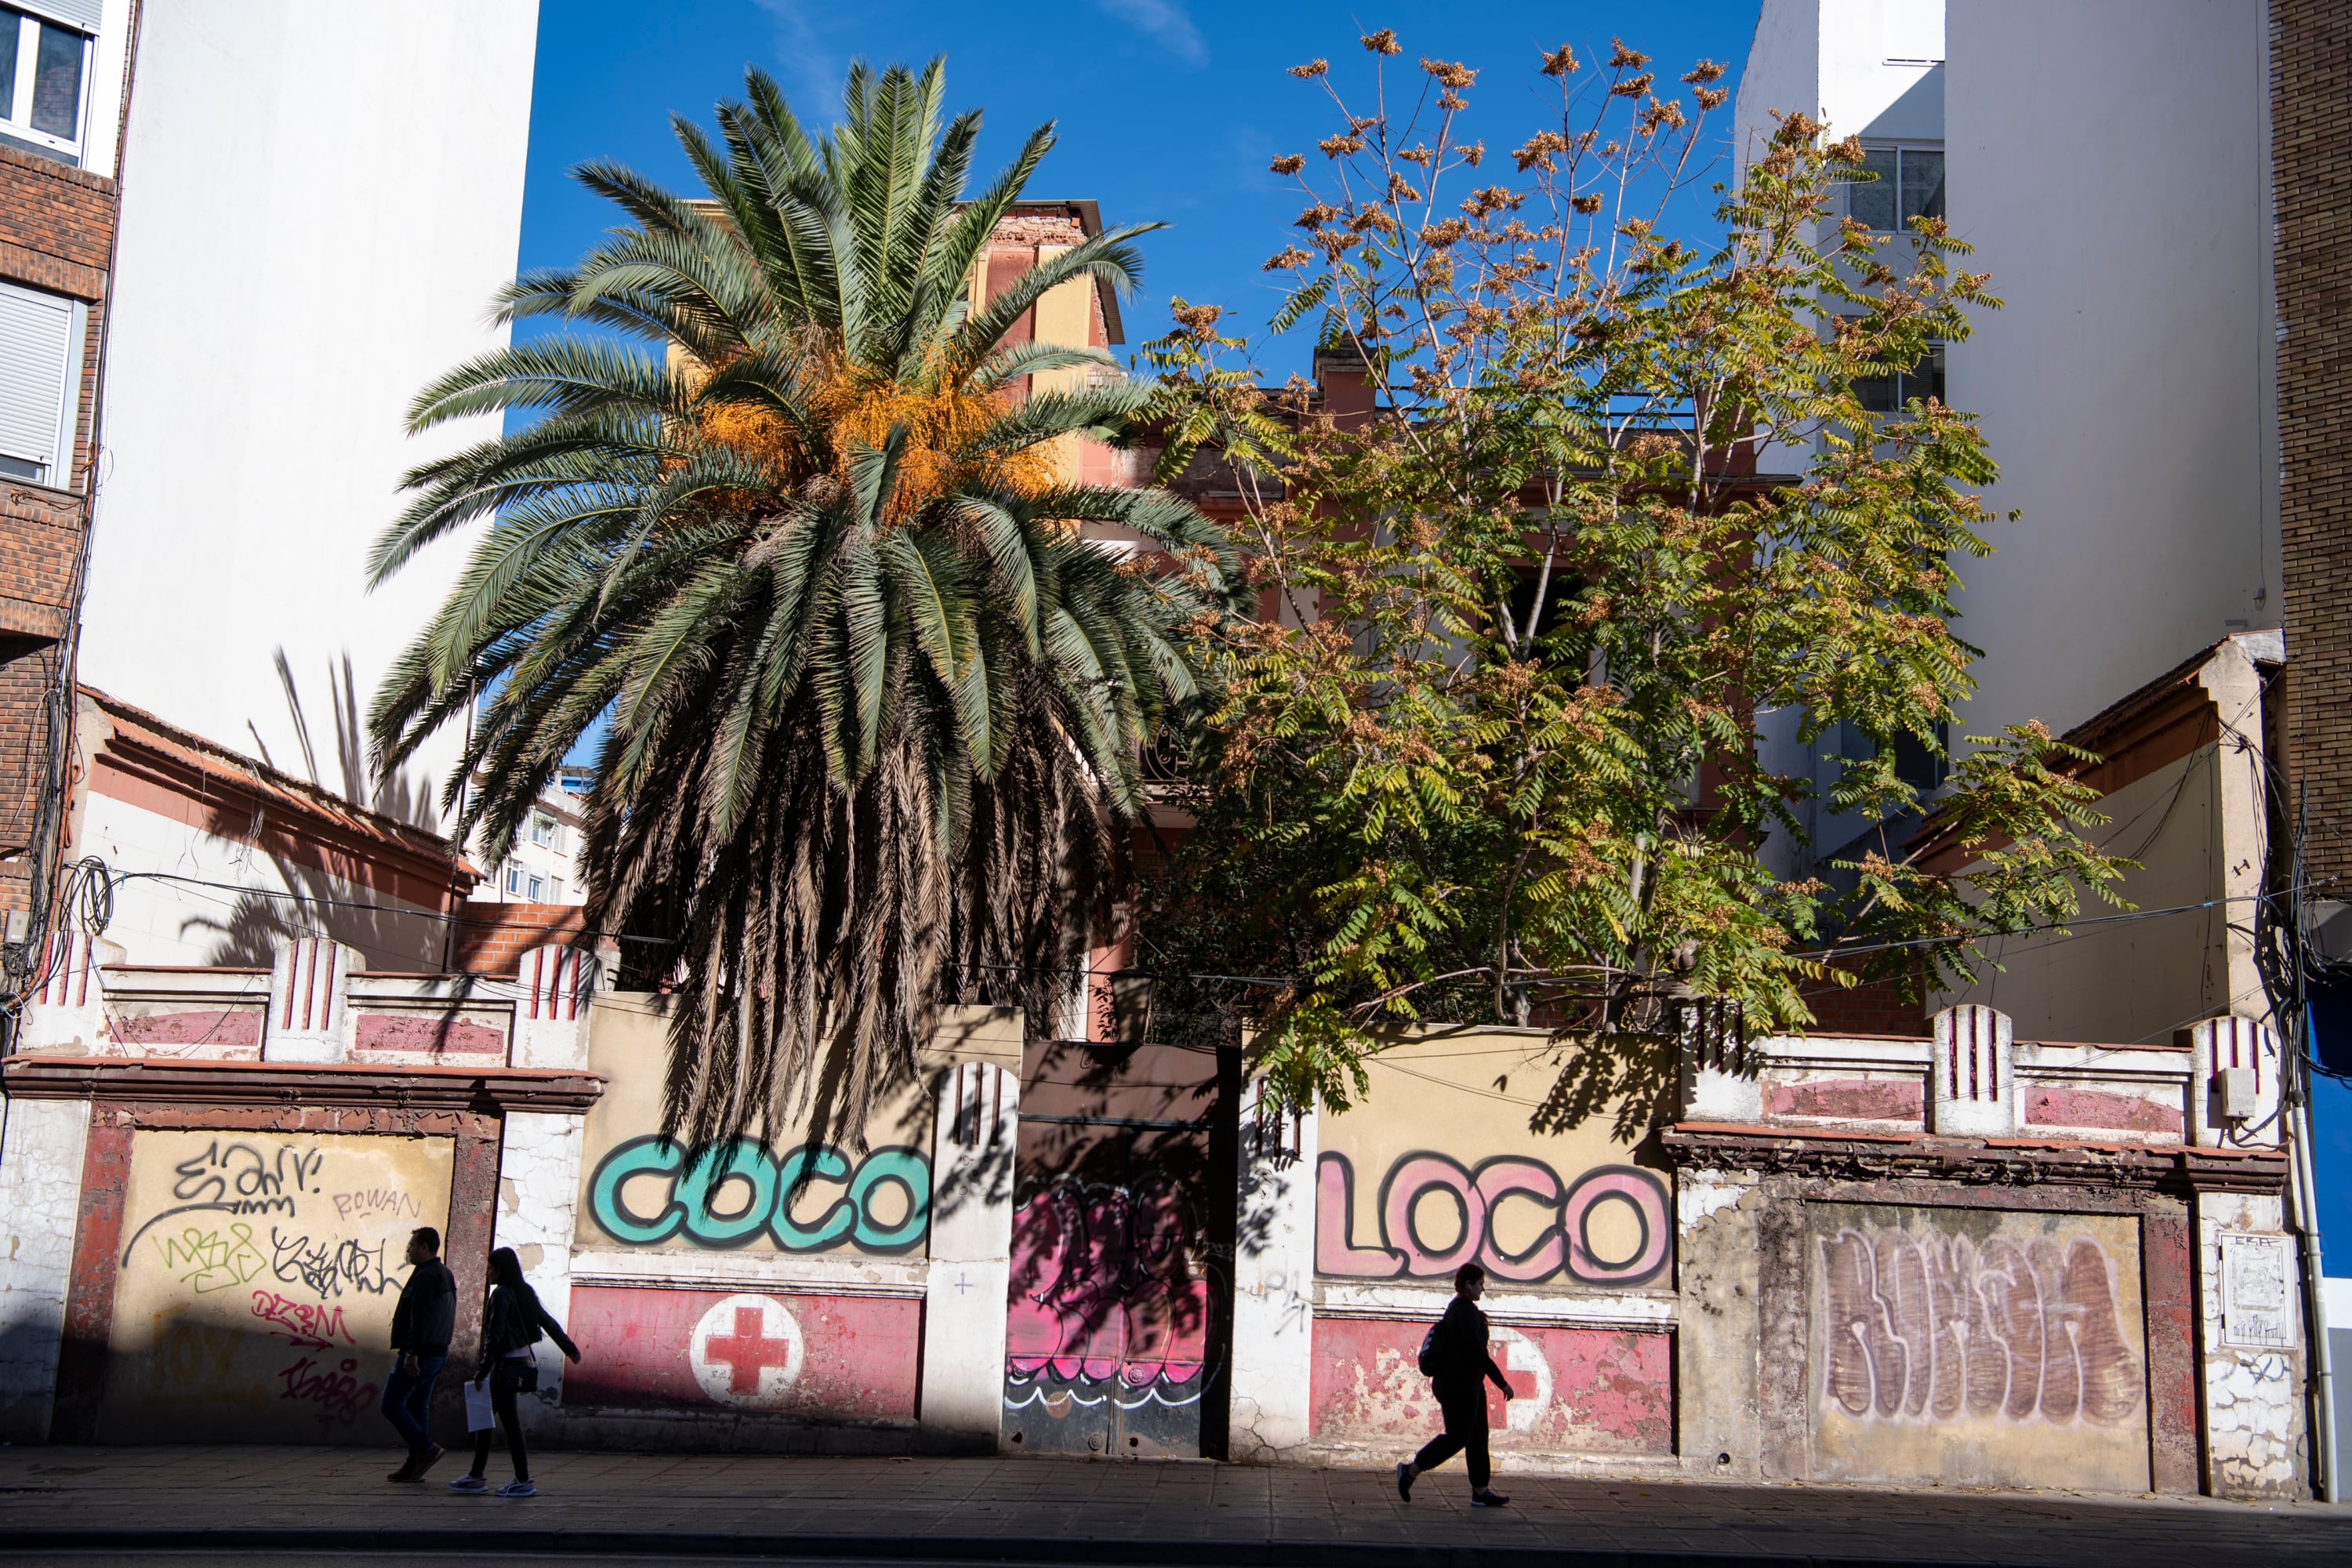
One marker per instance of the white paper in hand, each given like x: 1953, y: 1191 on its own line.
x: 479, y: 1416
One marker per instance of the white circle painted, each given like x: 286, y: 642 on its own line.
x: 746, y: 1352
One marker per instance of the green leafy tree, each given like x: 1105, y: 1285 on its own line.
x: 1503, y: 755
x: 872, y: 698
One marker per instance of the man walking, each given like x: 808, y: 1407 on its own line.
x: 421, y: 1326
x: 1458, y: 1365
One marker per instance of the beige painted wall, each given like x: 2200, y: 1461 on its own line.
x: 1452, y: 1111
x: 259, y: 1276
x: 637, y: 1191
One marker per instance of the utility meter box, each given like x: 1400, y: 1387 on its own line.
x: 2234, y: 1089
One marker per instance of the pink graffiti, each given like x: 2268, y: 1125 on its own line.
x: 312, y: 1325
x: 1563, y: 1245
x: 1922, y: 1327
x: 338, y: 1394
x: 1103, y: 1286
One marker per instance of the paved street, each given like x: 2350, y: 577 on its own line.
x: 257, y: 1503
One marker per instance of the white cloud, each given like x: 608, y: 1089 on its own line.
x: 810, y: 71
x: 1164, y: 20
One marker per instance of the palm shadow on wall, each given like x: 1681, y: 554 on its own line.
x: 255, y: 924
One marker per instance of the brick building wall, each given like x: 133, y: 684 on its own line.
x: 492, y: 938
x: 2311, y: 153
x: 56, y: 230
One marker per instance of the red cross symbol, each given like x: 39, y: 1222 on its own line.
x: 749, y: 1352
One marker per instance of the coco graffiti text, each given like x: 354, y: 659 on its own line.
x: 730, y: 1193
x: 1923, y: 1327
x: 1565, y: 1244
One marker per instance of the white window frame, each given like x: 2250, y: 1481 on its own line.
x: 17, y: 116
x: 514, y: 878
x: 538, y: 892
x: 542, y: 829
x: 59, y: 473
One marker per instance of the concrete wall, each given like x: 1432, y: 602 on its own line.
x: 2113, y: 176
x: 318, y: 203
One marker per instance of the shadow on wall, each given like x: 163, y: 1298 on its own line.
x: 322, y: 905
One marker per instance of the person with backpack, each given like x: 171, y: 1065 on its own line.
x: 512, y: 1322
x: 1454, y: 1358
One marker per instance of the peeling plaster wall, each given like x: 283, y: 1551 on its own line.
x: 40, y: 1192
x: 2254, y: 1438
x: 1718, y: 1323
x: 539, y: 1187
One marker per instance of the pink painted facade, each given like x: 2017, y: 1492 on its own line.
x: 821, y: 1358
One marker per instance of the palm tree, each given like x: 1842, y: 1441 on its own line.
x: 874, y: 703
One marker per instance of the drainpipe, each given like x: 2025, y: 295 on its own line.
x: 2314, y: 1294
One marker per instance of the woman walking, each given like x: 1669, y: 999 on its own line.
x: 512, y: 1322
x: 1458, y: 1365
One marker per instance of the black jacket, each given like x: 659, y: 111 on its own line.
x: 428, y: 1313
x: 509, y: 1323
x: 1460, y: 1352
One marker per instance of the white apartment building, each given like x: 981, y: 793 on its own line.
x: 319, y: 202
x: 2113, y: 176
x: 543, y: 866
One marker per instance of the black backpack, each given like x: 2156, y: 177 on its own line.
x: 1428, y: 1358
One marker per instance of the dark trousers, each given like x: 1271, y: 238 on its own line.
x: 1464, y: 1434
x: 408, y: 1400
x: 504, y: 1380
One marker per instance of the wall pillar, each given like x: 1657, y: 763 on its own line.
x: 1274, y: 1288
x: 45, y: 1141
x: 2234, y: 1084
x: 2250, y: 1343
x: 1975, y: 1079
x: 972, y: 1137
x: 307, y: 1021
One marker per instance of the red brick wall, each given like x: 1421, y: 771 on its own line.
x: 57, y: 227
x: 2311, y: 153
x: 492, y: 938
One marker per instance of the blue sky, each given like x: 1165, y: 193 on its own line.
x: 1167, y: 110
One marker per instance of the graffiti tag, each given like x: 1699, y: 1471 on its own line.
x: 1104, y: 1286
x: 237, y: 1179
x: 312, y: 1326
x: 377, y: 1203
x: 1923, y: 1327
x: 338, y: 1393
x: 327, y: 1268
x: 1564, y: 1245
x: 208, y: 1260
x: 729, y: 1195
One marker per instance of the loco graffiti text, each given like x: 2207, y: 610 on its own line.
x: 1564, y: 1245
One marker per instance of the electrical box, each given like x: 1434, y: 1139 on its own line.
x: 2233, y: 1088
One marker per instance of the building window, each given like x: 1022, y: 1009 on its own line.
x: 1890, y: 393
x: 514, y: 879
x: 40, y: 370
x: 42, y: 72
x: 542, y: 829
x: 1910, y: 184
x: 555, y: 891
x: 537, y: 890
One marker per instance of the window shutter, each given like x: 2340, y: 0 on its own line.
x: 80, y: 15
x: 36, y: 348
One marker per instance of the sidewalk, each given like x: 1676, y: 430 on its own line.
x: 318, y: 1501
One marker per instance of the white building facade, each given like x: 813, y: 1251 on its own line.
x: 318, y: 203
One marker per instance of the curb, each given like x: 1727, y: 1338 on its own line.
x: 1129, y: 1553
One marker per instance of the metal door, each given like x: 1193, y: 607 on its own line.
x: 1122, y: 1246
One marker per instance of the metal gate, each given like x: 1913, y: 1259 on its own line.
x: 1120, y: 1298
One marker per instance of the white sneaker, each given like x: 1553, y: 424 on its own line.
x: 517, y: 1488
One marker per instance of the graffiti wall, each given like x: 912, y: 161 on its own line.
x: 1986, y: 1347
x: 257, y: 1280
x: 786, y: 1192
x: 1116, y: 1296
x: 1573, y: 1389
x: 1440, y: 1166
x: 783, y: 1274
